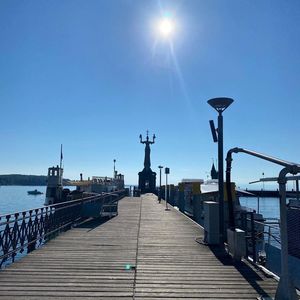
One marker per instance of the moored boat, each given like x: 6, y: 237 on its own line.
x: 34, y: 192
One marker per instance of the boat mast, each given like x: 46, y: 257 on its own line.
x: 61, y: 156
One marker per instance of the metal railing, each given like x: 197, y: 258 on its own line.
x: 271, y: 231
x: 286, y: 288
x: 269, y: 234
x: 22, y: 232
x: 110, y: 207
x: 267, y: 231
x: 258, y: 233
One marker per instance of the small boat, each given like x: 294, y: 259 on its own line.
x: 34, y: 192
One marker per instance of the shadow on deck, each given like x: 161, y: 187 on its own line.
x: 248, y: 271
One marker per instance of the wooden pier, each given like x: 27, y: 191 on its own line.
x: 143, y: 253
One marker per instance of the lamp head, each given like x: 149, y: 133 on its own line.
x: 220, y: 104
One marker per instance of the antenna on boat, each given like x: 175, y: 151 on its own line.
x: 61, y: 155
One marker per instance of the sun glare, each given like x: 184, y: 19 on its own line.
x: 166, y: 27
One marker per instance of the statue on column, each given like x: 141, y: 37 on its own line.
x: 147, y: 162
x: 147, y: 178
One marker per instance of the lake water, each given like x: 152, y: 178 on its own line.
x: 15, y: 198
x: 269, y: 207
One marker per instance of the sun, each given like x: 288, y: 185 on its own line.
x: 166, y: 27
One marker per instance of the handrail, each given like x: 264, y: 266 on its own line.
x: 27, y: 229
x: 285, y: 289
x: 293, y: 168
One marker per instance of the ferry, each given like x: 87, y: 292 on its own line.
x: 56, y: 193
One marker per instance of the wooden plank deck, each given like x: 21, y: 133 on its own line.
x: 88, y: 262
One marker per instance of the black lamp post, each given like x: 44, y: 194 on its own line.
x: 167, y: 171
x: 114, y: 169
x: 159, y: 194
x: 220, y: 104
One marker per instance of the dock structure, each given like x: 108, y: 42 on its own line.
x: 143, y: 253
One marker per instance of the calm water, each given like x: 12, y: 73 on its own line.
x: 15, y: 198
x: 269, y: 207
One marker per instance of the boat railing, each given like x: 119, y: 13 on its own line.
x: 24, y: 231
x: 270, y: 233
x: 258, y: 235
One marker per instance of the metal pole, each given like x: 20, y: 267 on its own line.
x: 114, y: 168
x: 166, y: 192
x: 221, y: 176
x: 229, y: 191
x: 159, y: 195
x: 253, y: 237
x: 297, y: 189
x: 61, y: 157
x: 285, y: 289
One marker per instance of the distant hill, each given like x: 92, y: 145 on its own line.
x: 18, y: 179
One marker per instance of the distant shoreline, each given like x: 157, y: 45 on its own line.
x: 23, y: 184
x: 23, y: 180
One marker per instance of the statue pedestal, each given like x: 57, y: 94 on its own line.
x: 147, y: 181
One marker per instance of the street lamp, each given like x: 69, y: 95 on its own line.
x: 114, y: 168
x: 167, y: 171
x: 220, y: 104
x: 159, y: 194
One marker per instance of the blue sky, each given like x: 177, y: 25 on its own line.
x: 93, y: 75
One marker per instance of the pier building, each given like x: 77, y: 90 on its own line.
x: 54, y: 185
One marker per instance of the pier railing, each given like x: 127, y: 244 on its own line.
x: 24, y: 231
